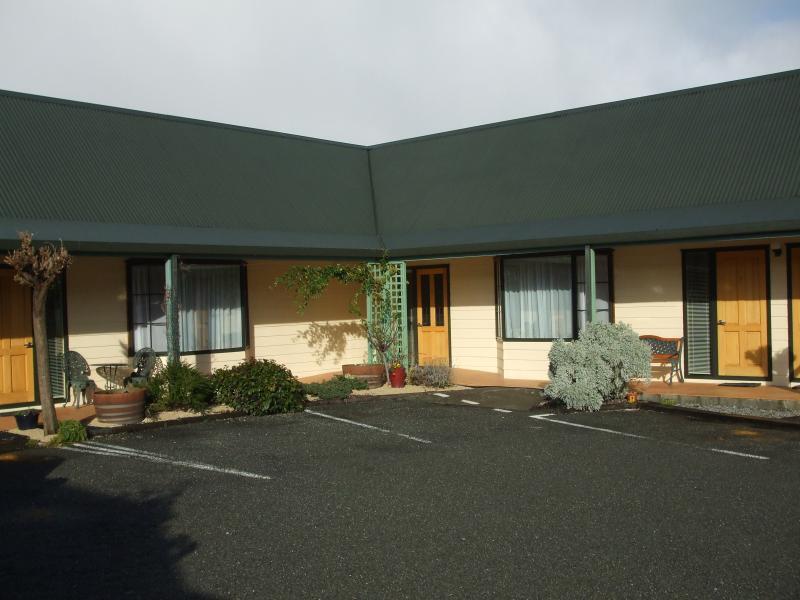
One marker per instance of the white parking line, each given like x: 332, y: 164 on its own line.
x: 644, y: 437
x: 758, y: 456
x: 472, y: 402
x: 501, y: 410
x: 123, y: 452
x: 441, y: 395
x: 365, y: 426
x: 603, y: 429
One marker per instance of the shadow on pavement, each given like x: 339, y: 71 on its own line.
x: 60, y: 541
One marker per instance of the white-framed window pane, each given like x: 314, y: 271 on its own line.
x: 537, y: 295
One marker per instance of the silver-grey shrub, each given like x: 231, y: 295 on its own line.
x: 597, y: 367
x: 433, y: 376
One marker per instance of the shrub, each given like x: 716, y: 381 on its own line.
x: 71, y: 431
x: 179, y: 386
x: 259, y: 387
x: 434, y: 376
x: 597, y: 367
x: 338, y: 388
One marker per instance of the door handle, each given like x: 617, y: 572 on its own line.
x: 29, y: 344
x: 721, y: 322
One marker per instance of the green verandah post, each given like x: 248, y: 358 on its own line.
x: 591, y: 282
x: 171, y: 296
x: 397, y: 287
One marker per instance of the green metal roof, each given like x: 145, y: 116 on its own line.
x: 95, y: 176
x: 716, y: 160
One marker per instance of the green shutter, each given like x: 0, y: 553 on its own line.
x: 698, y: 285
x: 56, y: 343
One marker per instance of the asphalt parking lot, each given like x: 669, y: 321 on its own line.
x: 419, y: 497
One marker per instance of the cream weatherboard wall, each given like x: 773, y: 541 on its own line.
x: 318, y: 342
x: 648, y: 295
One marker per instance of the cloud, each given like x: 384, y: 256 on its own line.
x: 368, y: 71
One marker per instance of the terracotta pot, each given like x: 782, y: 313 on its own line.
x: 120, y: 408
x: 374, y: 374
x: 397, y: 377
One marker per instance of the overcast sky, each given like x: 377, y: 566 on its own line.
x: 369, y: 71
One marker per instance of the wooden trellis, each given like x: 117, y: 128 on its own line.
x: 397, y: 289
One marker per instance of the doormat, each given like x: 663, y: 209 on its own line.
x: 740, y: 384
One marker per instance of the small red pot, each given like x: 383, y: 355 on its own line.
x: 397, y: 377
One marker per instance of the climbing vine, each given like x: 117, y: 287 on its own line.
x: 383, y: 329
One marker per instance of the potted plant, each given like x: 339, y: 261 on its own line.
x: 27, y: 419
x: 120, y: 406
x: 397, y: 376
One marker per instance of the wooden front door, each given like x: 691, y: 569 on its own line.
x: 16, y: 341
x: 795, y: 285
x: 742, y: 326
x: 433, y: 316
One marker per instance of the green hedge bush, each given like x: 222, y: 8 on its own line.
x: 338, y: 388
x: 71, y: 431
x: 179, y: 386
x: 597, y: 367
x: 259, y: 387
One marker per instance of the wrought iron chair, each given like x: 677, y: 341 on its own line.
x: 145, y: 363
x: 666, y: 352
x: 77, y: 371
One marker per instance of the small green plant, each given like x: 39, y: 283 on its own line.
x: 668, y: 401
x: 433, y: 376
x: 338, y: 388
x: 259, y: 387
x: 179, y: 386
x: 70, y: 432
x: 597, y: 367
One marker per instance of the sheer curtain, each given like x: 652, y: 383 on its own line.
x: 211, y: 307
x: 538, y: 297
x: 147, y: 307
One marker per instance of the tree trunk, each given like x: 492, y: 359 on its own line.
x: 42, y: 370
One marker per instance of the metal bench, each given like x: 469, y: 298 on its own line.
x: 666, y: 352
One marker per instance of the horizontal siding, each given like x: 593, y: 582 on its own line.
x: 472, y: 314
x: 321, y: 340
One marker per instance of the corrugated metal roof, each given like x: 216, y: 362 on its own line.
x: 72, y: 162
x: 654, y: 159
x: 716, y: 160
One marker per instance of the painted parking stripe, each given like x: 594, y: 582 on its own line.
x: 644, y: 437
x: 501, y: 410
x: 472, y: 402
x: 123, y: 452
x: 441, y: 395
x: 603, y: 429
x: 366, y: 426
x: 745, y: 454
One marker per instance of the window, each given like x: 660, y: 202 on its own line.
x: 211, y: 307
x: 544, y: 297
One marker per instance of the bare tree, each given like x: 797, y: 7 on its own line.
x: 38, y: 268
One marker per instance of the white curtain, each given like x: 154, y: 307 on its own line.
x: 149, y: 320
x: 538, y: 297
x: 211, y: 307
